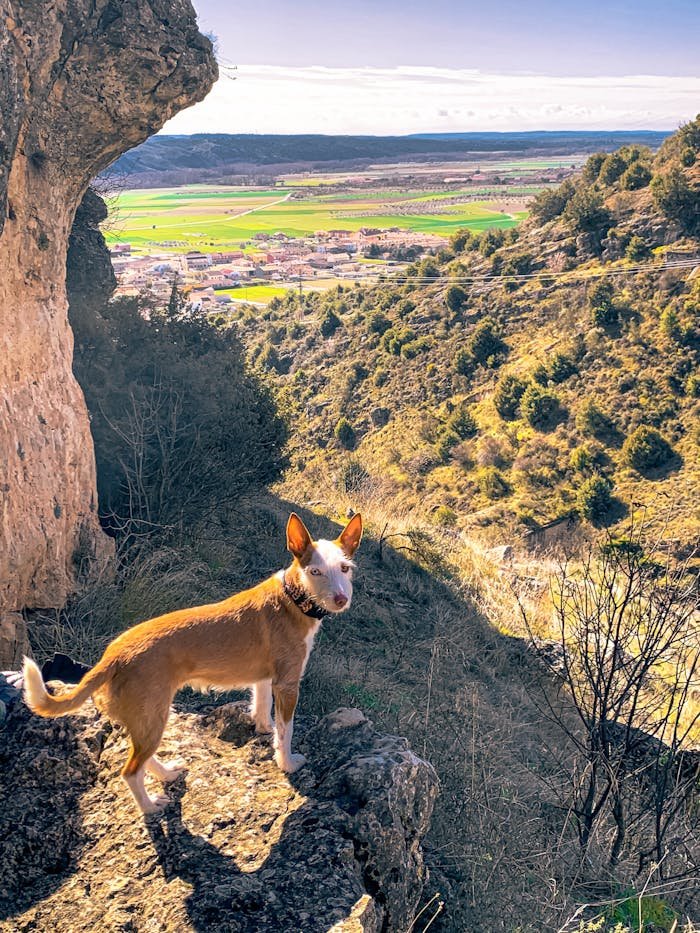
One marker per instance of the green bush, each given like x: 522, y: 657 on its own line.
x: 646, y: 449
x: 604, y: 311
x: 445, y: 516
x: 455, y: 298
x: 637, y: 176
x: 492, y: 483
x: 581, y: 459
x: 677, y: 199
x: 594, y: 498
x: 585, y: 212
x: 507, y: 396
x: 550, y: 203
x: 411, y: 349
x: 463, y: 362
x: 637, y: 249
x: 345, y: 433
x: 612, y: 168
x: 395, y: 338
x: 461, y: 422
x: 378, y: 323
x: 540, y: 408
x: 592, y: 421
x: 560, y: 368
x: 485, y: 345
x: 330, y: 322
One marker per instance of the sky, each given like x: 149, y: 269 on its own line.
x: 402, y: 66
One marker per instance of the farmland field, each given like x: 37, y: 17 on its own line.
x: 209, y: 218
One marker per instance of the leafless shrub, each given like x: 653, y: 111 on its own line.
x: 628, y: 657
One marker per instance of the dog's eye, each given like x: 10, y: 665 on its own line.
x: 344, y: 568
x: 315, y: 572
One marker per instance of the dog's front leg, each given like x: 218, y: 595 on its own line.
x: 285, y: 703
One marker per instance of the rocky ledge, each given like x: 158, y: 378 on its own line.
x: 241, y: 847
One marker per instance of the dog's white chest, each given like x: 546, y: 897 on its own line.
x: 309, y: 641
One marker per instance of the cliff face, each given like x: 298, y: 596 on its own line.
x: 241, y: 847
x: 81, y: 81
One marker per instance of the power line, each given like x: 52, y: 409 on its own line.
x: 526, y: 277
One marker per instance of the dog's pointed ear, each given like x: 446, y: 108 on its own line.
x: 298, y: 537
x: 349, y: 541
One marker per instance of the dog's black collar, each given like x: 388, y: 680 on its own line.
x: 303, y: 601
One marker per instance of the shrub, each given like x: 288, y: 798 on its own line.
x: 380, y: 377
x: 460, y: 240
x: 585, y: 212
x: 561, y: 367
x: 490, y: 241
x: 445, y: 516
x: 485, y: 345
x: 446, y: 441
x: 677, y: 199
x: 637, y: 249
x: 378, y: 323
x: 330, y: 322
x: 692, y: 386
x: 411, y: 349
x: 345, y: 433
x: 637, y: 176
x: 463, y: 362
x: 394, y: 339
x: 549, y: 203
x: 492, y: 483
x: 540, y: 408
x: 594, y: 498
x: 507, y: 395
x: 612, y: 168
x: 646, y: 449
x: 461, y: 422
x: 592, y: 421
x: 455, y: 298
x: 353, y: 475
x: 166, y: 445
x: 540, y: 375
x: 581, y: 459
x: 604, y: 312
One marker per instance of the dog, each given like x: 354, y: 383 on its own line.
x: 260, y: 638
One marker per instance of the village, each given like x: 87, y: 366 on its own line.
x: 215, y: 279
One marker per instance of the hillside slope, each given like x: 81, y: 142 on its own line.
x: 514, y: 378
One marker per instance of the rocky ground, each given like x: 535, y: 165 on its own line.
x: 242, y: 846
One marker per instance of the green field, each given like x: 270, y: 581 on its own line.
x: 210, y: 218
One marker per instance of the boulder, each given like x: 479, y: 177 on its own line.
x: 76, y: 90
x: 241, y: 847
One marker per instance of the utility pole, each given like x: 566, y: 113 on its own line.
x: 300, y: 285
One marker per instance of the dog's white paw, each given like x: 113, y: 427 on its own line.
x: 155, y: 804
x: 173, y: 770
x: 290, y: 763
x: 264, y: 728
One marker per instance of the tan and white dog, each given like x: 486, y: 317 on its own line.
x: 260, y: 638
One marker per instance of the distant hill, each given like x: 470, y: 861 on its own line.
x: 216, y: 156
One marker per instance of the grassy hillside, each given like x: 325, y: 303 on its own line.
x: 516, y: 377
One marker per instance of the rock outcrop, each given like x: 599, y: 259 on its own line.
x: 81, y: 81
x: 241, y: 847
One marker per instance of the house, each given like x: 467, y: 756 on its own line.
x: 197, y: 260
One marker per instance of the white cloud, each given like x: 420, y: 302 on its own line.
x: 318, y: 99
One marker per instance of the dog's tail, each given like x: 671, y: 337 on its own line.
x: 40, y: 701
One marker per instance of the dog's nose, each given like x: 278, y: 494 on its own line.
x: 340, y: 600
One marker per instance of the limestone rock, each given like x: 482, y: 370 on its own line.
x: 242, y: 847
x: 76, y: 90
